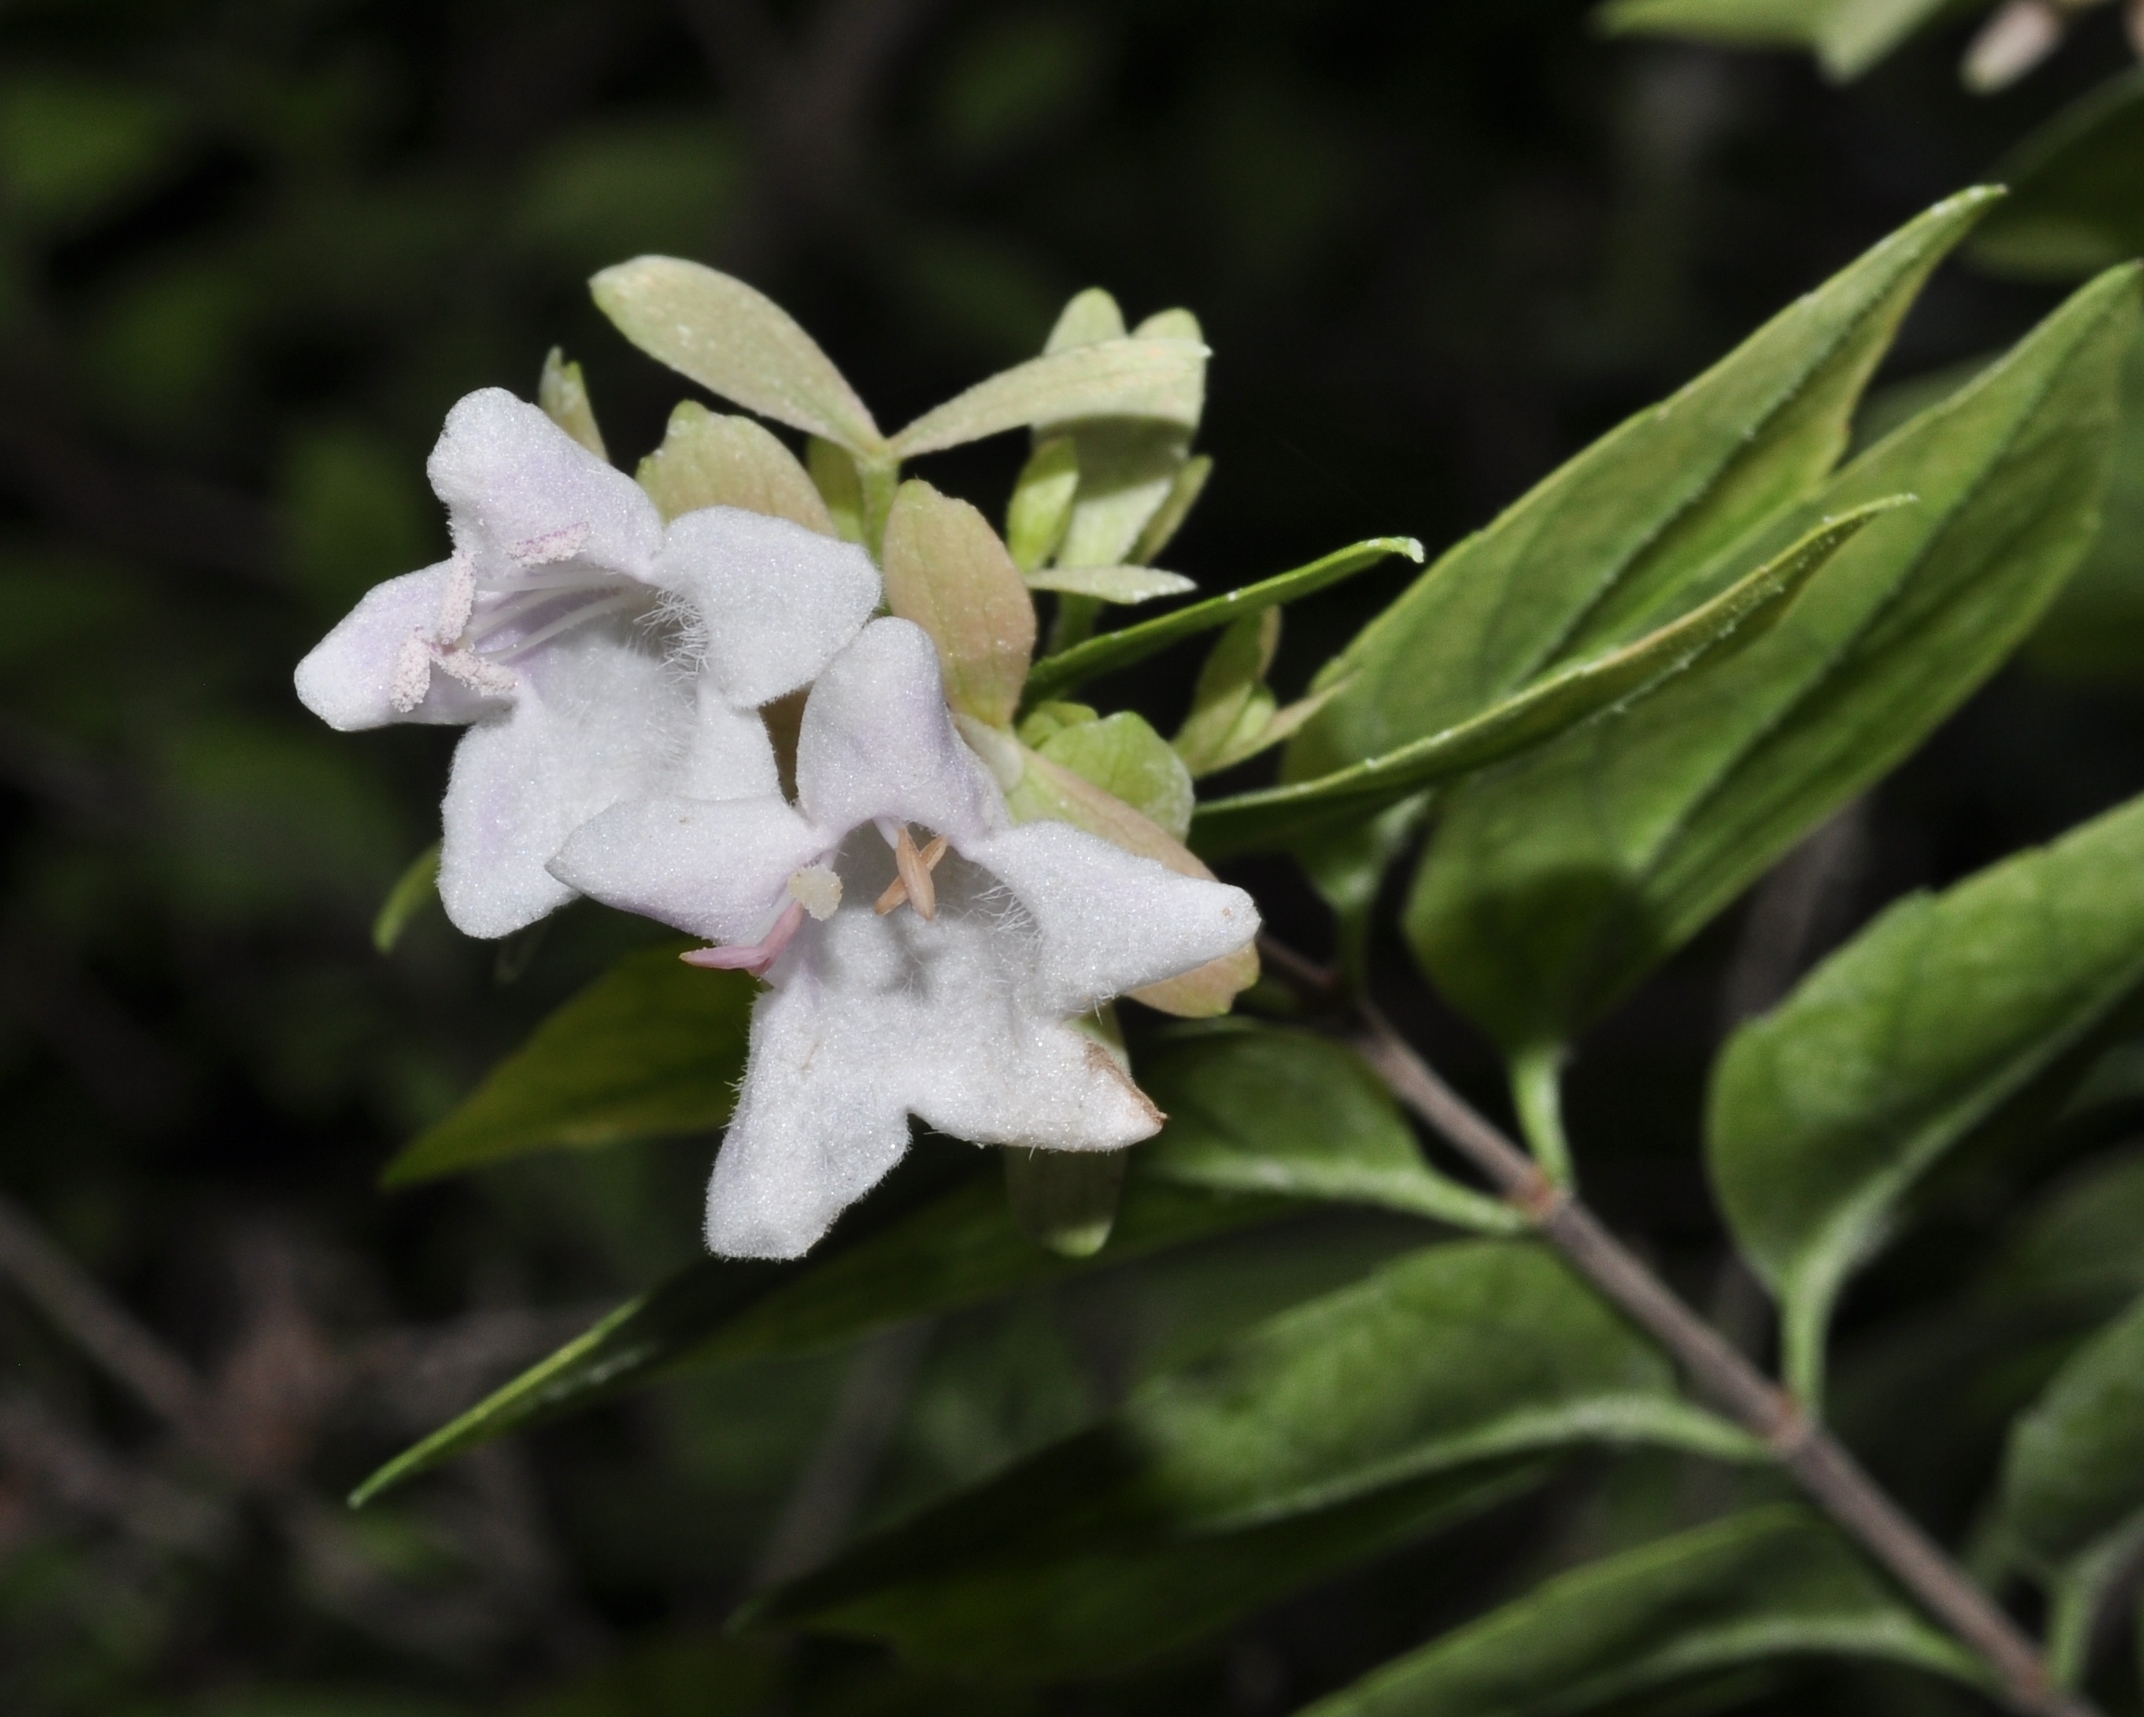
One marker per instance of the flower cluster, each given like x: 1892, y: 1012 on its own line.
x: 925, y: 956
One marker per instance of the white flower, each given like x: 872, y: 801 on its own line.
x: 593, y: 653
x: 935, y: 976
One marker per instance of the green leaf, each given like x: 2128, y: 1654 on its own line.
x: 1449, y: 1358
x: 962, y: 1250
x: 2074, y: 1473
x: 735, y: 342
x: 708, y: 459
x: 1625, y: 526
x: 1185, y: 488
x: 1230, y: 705
x: 651, y: 1049
x: 1826, y: 1112
x: 1065, y: 1201
x: 1041, y: 504
x: 2094, y: 633
x: 1557, y: 881
x: 1132, y: 377
x: 2077, y: 190
x: 1125, y: 757
x: 414, y: 890
x: 1762, y: 1585
x: 947, y: 571
x: 840, y: 485
x: 2082, y: 1246
x: 1538, y: 713
x: 1054, y: 675
x: 562, y: 392
x: 1124, y: 585
x: 1255, y: 1109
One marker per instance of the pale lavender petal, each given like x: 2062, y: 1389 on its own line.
x: 524, y: 494
x: 817, y: 1126
x: 773, y: 602
x: 1110, y: 921
x: 717, y: 868
x: 599, y: 718
x: 348, y: 681
x: 729, y: 755
x: 878, y: 743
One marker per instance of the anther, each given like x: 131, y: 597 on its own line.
x: 912, y: 881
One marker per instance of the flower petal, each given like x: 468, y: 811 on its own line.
x: 348, y: 680
x: 817, y: 1126
x: 522, y: 493
x: 598, y: 718
x: 717, y: 869
x: 775, y: 601
x: 1109, y: 920
x: 877, y: 742
x: 730, y: 755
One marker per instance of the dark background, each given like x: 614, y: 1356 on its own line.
x: 251, y: 252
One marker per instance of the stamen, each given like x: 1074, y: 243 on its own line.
x: 754, y: 957
x: 913, y: 881
x: 566, y: 622
x: 551, y: 546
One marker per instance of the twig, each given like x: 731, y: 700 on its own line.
x: 1819, y: 1463
x: 72, y: 1298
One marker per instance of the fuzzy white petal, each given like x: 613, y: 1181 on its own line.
x: 598, y: 719
x: 730, y: 755
x: 815, y: 1129
x: 1109, y: 920
x: 349, y: 679
x: 774, y: 602
x: 719, y: 870
x: 522, y: 492
x: 878, y: 743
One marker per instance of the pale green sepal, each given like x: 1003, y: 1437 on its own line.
x: 1161, y: 379
x: 1126, y: 586
x: 414, y: 890
x: 1041, y: 506
x: 562, y: 392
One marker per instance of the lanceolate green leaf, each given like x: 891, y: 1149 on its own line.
x: 1538, y: 713
x: 1825, y: 1112
x: 1623, y: 525
x: 1757, y: 1587
x: 1053, y: 676
x: 1847, y: 36
x: 1446, y: 1359
x: 2074, y: 1476
x: 1317, y: 1131
x: 1162, y: 379
x: 960, y: 1250
x: 652, y: 1049
x: 1235, y: 1101
x: 1559, y: 879
x: 2078, y: 185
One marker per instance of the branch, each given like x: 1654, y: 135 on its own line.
x: 1818, y: 1462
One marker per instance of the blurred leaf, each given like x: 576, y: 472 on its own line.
x: 1055, y: 675
x: 1447, y: 1359
x: 1021, y: 72
x: 417, y: 889
x: 961, y: 1250
x: 1770, y: 1583
x: 562, y: 392
x: 1825, y: 1112
x: 71, y: 147
x: 653, y: 1048
x: 1125, y: 585
x: 1557, y: 881
x: 2082, y: 1244
x: 1540, y: 712
x: 1605, y: 541
x: 737, y: 343
x: 1230, y: 705
x: 711, y: 460
x: 946, y: 570
x: 1126, y: 758
x: 672, y: 1675
x: 1065, y: 1201
x: 1254, y: 1109
x: 1847, y: 36
x: 1041, y: 504
x: 2076, y: 201
x: 1130, y: 377
x: 355, y: 512
x: 2074, y: 1474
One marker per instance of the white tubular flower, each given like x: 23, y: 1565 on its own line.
x: 934, y: 974
x: 593, y: 654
